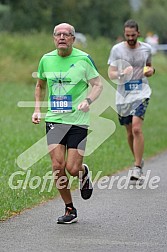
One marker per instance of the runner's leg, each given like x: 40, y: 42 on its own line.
x: 58, y: 165
x: 130, y: 136
x: 138, y: 139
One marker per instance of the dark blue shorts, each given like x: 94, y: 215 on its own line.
x: 126, y: 112
x: 71, y: 136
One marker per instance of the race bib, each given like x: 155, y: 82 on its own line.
x: 133, y: 85
x: 61, y: 103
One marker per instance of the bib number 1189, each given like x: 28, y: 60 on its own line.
x: 61, y: 104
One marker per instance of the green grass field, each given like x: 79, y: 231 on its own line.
x: 19, y: 58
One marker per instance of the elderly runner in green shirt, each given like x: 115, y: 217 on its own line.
x: 67, y: 72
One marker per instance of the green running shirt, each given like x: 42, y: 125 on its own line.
x: 67, y: 79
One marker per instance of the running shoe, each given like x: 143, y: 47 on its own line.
x: 86, y: 186
x: 136, y: 173
x: 69, y: 217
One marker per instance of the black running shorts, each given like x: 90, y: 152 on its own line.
x: 72, y: 136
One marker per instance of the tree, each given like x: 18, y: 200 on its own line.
x: 152, y: 17
x: 95, y: 17
x: 4, y: 16
x: 30, y: 15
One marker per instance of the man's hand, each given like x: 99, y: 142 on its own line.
x: 148, y: 71
x: 128, y: 70
x: 36, y: 117
x: 84, y: 106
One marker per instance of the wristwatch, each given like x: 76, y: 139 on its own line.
x: 88, y: 100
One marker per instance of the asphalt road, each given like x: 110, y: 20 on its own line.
x: 121, y: 217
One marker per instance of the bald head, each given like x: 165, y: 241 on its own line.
x: 66, y: 26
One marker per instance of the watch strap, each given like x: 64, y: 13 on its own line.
x: 88, y: 100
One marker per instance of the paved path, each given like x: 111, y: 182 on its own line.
x: 118, y: 220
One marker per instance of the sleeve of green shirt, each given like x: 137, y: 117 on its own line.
x: 91, y: 70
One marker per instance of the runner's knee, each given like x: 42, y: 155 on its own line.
x: 73, y: 169
x: 136, y: 130
x: 58, y: 166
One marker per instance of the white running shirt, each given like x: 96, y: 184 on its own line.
x: 137, y: 88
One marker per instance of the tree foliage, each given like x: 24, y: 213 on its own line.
x: 152, y: 18
x: 29, y: 15
x: 94, y: 17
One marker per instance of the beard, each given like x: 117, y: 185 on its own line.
x: 132, y: 42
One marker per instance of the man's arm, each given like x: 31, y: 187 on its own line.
x: 114, y: 74
x: 96, y: 90
x: 39, y: 97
